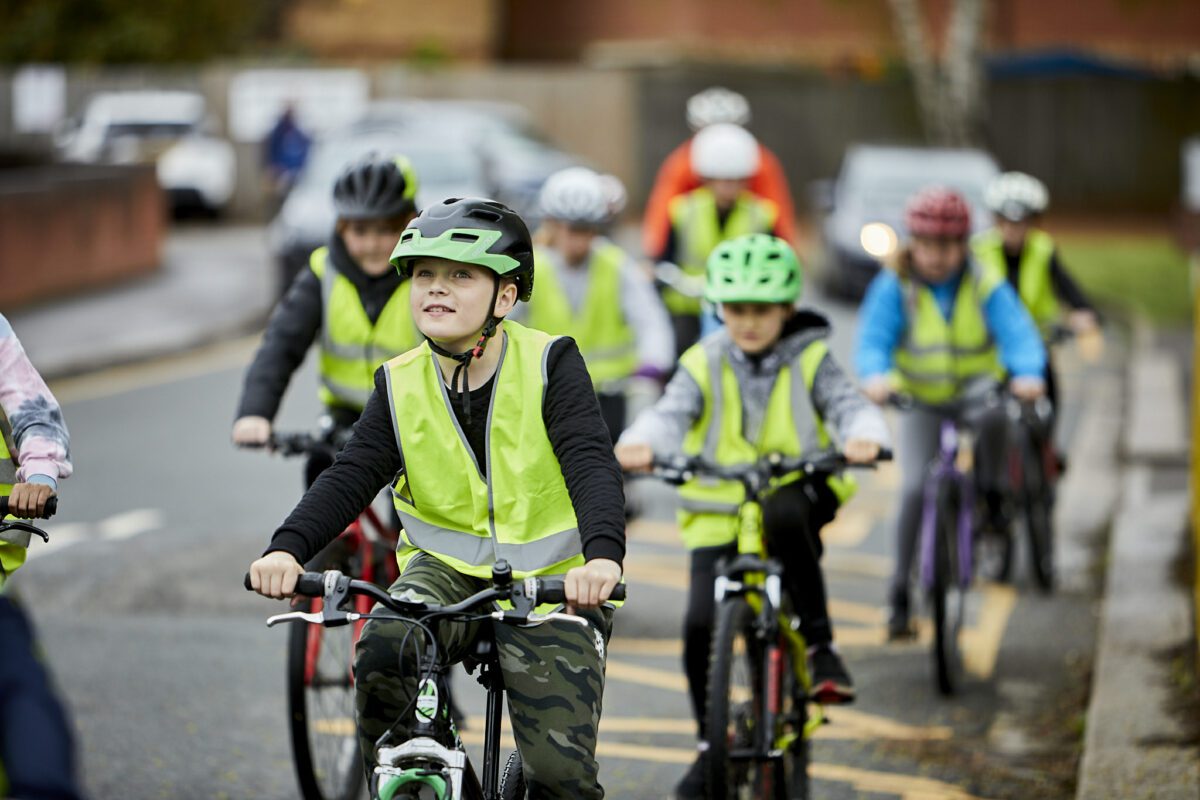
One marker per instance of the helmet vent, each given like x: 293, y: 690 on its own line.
x: 407, y: 236
x: 484, y: 214
x: 463, y: 237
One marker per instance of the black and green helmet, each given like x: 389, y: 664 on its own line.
x: 375, y: 187
x: 474, y: 231
x: 753, y: 269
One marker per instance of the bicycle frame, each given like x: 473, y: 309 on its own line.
x: 943, y: 468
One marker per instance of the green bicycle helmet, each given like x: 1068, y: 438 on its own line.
x: 753, y: 269
x: 474, y: 231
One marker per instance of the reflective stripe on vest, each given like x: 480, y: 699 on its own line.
x: 1034, y: 284
x: 599, y: 326
x: 938, y: 357
x: 791, y: 427
x: 352, y: 347
x: 521, y: 511
x: 12, y: 554
x: 698, y: 232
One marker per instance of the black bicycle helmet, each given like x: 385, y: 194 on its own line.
x: 375, y: 187
x: 472, y: 230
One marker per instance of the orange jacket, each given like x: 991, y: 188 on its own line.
x: 675, y: 177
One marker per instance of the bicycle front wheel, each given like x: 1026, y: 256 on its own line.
x: 947, y: 595
x: 735, y: 767
x: 1038, y: 508
x: 320, y: 695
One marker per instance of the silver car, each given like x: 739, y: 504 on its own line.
x: 863, y: 210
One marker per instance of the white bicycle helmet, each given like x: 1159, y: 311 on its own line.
x: 1016, y: 196
x: 716, y: 105
x: 725, y: 151
x: 575, y: 195
x: 614, y: 192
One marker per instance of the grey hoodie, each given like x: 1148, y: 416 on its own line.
x: 847, y: 413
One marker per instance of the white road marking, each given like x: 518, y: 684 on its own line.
x: 118, y: 527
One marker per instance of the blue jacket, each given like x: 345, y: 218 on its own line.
x: 882, y: 322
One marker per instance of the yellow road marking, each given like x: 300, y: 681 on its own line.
x: 120, y: 380
x: 672, y: 680
x: 907, y: 787
x: 849, y: 528
x: 655, y: 531
x: 981, y: 643
x: 848, y: 562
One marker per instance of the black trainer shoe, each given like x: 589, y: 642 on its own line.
x: 691, y: 785
x: 899, y: 627
x: 831, y: 683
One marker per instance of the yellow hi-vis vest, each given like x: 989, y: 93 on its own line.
x: 791, y: 427
x: 521, y: 511
x: 698, y: 232
x: 1034, y: 284
x: 352, y: 348
x: 12, y: 555
x: 600, y: 328
x: 938, y: 357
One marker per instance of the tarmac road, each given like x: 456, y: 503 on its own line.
x: 177, y: 686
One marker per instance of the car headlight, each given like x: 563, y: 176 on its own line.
x: 878, y: 239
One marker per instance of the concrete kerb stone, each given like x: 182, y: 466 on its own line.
x: 1133, y: 746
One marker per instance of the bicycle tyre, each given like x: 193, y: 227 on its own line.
x: 792, y: 780
x: 512, y: 778
x: 946, y: 593
x: 734, y: 667
x: 325, y: 749
x: 1039, y: 519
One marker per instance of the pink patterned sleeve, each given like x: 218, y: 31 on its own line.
x: 38, y: 430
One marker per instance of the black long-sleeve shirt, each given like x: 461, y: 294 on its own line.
x: 1065, y: 288
x: 294, y: 326
x: 372, y: 459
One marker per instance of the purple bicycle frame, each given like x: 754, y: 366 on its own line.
x: 944, y: 467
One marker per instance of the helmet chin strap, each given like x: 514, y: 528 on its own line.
x: 464, y: 358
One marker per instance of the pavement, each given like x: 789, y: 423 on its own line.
x: 212, y: 285
x: 1141, y: 739
x: 1137, y: 743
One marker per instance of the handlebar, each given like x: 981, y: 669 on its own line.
x: 51, y: 508
x: 525, y: 595
x: 303, y: 443
x: 678, y: 470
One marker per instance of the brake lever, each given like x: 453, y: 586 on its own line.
x: 317, y: 618
x: 18, y: 525
x: 559, y: 616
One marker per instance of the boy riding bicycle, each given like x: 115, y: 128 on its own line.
x: 492, y: 439
x: 1027, y: 256
x: 589, y: 289
x: 725, y: 157
x: 946, y: 329
x: 765, y: 383
x: 36, y: 749
x: 350, y: 295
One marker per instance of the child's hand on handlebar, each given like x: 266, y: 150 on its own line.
x: 28, y: 500
x: 590, y: 585
x: 861, y: 451
x: 252, y: 431
x: 1026, y: 388
x: 275, y: 574
x: 879, y: 389
x: 635, y: 457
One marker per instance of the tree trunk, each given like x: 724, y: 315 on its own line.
x: 949, y: 95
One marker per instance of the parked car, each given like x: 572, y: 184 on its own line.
x: 458, y: 148
x: 517, y: 157
x: 446, y: 166
x: 173, y: 130
x: 863, y: 209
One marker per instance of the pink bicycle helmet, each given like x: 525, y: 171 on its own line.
x: 938, y: 213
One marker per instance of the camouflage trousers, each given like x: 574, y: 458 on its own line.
x: 553, y: 676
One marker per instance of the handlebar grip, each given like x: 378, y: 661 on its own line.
x: 50, y: 510
x: 885, y: 454
x: 311, y: 584
x: 554, y: 591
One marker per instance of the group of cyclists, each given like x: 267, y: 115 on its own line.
x: 482, y: 372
